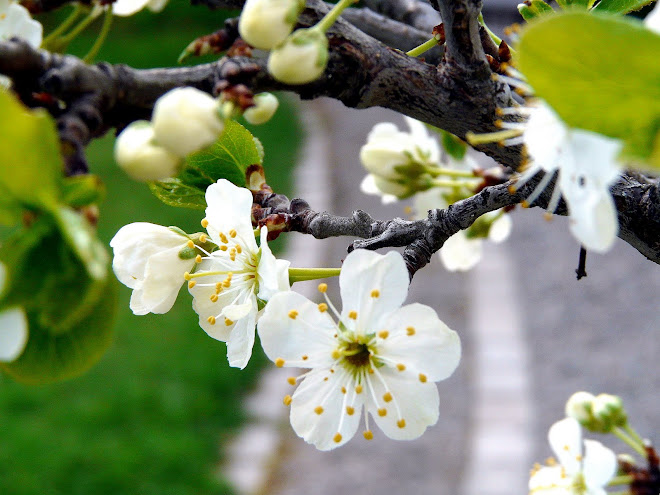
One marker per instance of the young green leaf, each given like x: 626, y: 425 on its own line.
x: 620, y: 6
x: 174, y: 192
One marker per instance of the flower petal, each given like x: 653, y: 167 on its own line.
x: 545, y: 137
x: 321, y: 391
x: 293, y: 328
x: 459, y: 253
x: 125, y: 8
x: 413, y: 407
x: 269, y: 271
x: 372, y: 285
x: 550, y: 480
x: 500, y: 229
x: 241, y: 339
x: 420, y: 341
x: 599, y: 465
x: 594, y: 221
x: 368, y: 186
x: 13, y: 333
x: 565, y: 438
x: 230, y: 207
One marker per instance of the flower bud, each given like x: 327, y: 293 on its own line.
x: 608, y: 409
x: 266, y: 23
x: 138, y: 155
x: 578, y: 407
x: 301, y: 58
x: 186, y: 120
x: 13, y: 333
x: 265, y: 106
x: 124, y: 8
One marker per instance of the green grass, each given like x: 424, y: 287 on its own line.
x: 151, y: 417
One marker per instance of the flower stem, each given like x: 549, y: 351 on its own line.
x: 330, y: 18
x: 424, y: 47
x: 66, y: 24
x: 496, y: 39
x: 491, y: 137
x: 633, y: 444
x: 631, y: 431
x: 449, y: 172
x: 103, y: 34
x: 620, y: 480
x: 82, y: 25
x: 302, y: 274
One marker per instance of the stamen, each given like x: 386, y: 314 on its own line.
x: 387, y: 397
x: 203, y: 238
x: 554, y: 199
x: 375, y: 293
x: 382, y: 412
x: 287, y: 400
x: 368, y: 435
x: 190, y: 244
x: 198, y: 258
x: 279, y: 362
x: 232, y: 233
x: 422, y: 378
x: 223, y: 248
x: 323, y: 288
x: 191, y: 284
x: 291, y: 380
x: 211, y: 320
x: 353, y: 315
x: 205, y: 223
x: 401, y: 367
x: 337, y: 438
x: 540, y: 187
x: 383, y: 334
x: 323, y: 307
x: 410, y: 331
x: 318, y: 410
x: 186, y: 276
x: 350, y: 410
x: 491, y: 137
x: 358, y: 389
x: 305, y: 357
x: 239, y: 249
x: 228, y: 322
x: 223, y: 238
x: 214, y: 298
x: 401, y: 423
x: 293, y: 314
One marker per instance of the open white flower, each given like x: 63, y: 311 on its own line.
x: 578, y: 472
x: 380, y: 356
x: 229, y: 282
x: 15, y: 20
x: 129, y: 7
x: 148, y: 259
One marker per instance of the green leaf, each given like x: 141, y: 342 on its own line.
x: 82, y: 190
x: 454, y: 146
x: 598, y: 72
x: 620, y: 6
x: 173, y: 192
x: 51, y: 356
x: 534, y: 9
x: 31, y: 164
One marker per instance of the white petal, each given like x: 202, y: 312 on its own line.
x: 459, y: 253
x: 237, y: 311
x: 368, y: 186
x: 565, y: 438
x: 282, y: 267
x: 306, y: 340
x: 269, y: 271
x: 652, y: 20
x: 500, y: 228
x: 157, y: 5
x: 594, y: 156
x: 423, y: 142
x: 594, y: 222
x: 364, y: 272
x: 13, y: 333
x: 321, y: 388
x: 545, y: 137
x: 599, y: 465
x: 18, y: 22
x: 128, y: 7
x: 241, y: 339
x: 429, y: 200
x: 230, y: 207
x: 420, y: 341
x: 414, y: 402
x: 550, y: 481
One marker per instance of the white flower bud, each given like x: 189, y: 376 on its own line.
x: 578, y: 407
x: 609, y: 410
x: 266, y: 23
x: 265, y: 106
x: 124, y: 8
x: 301, y: 58
x: 186, y: 120
x: 13, y: 333
x: 139, y: 156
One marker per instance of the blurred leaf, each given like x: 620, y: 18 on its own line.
x: 175, y: 193
x: 598, y: 72
x: 620, y: 6
x: 82, y: 190
x: 50, y: 356
x: 534, y: 9
x: 454, y: 146
x: 31, y: 164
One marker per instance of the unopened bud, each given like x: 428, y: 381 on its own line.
x: 186, y: 120
x: 301, y: 58
x: 609, y: 410
x: 578, y: 406
x: 265, y: 106
x: 266, y: 23
x: 140, y: 157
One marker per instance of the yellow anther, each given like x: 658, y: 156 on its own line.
x: 499, y: 112
x: 343, y: 390
x: 550, y: 461
x: 190, y: 244
x: 371, y: 371
x: 228, y: 322
x: 223, y: 248
x: 387, y: 397
x: 223, y: 238
x: 325, y: 379
x: 401, y: 367
x: 547, y: 216
x: 520, y: 91
x: 214, y: 298
x: 337, y: 438
x: 205, y: 223
x: 279, y: 362
x: 191, y: 284
x: 512, y: 189
x: 323, y: 307
x: 232, y: 251
x: 422, y: 378
x: 566, y: 448
x: 232, y: 233
x: 410, y: 331
x: 375, y: 293
x: 332, y: 370
x: 524, y: 204
x: 203, y: 238
x: 239, y: 249
x: 186, y: 276
x: 305, y: 357
x: 368, y: 435
x: 336, y: 354
x: 384, y: 334
x: 287, y: 400
x: 401, y: 423
x: 407, y: 210
x: 382, y: 412
x: 198, y: 258
x: 226, y: 283
x: 230, y: 275
x: 358, y: 389
x: 350, y: 410
x: 211, y: 320
x: 218, y: 286
x: 323, y: 287
x: 352, y: 315
x: 318, y: 410
x: 232, y: 256
x: 291, y: 380
x: 498, y: 123
x: 578, y: 458
x: 293, y: 314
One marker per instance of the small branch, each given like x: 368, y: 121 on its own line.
x: 581, y: 270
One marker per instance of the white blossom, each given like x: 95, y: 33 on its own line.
x: 13, y: 326
x: 379, y: 357
x: 137, y: 153
x: 15, y: 20
x: 265, y: 107
x: 151, y: 260
x: 579, y: 472
x: 186, y: 120
x: 301, y: 58
x: 652, y: 20
x: 129, y: 7
x: 266, y: 23
x: 229, y: 282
